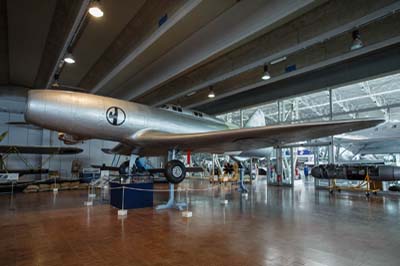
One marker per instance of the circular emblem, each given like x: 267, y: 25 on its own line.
x: 115, y: 116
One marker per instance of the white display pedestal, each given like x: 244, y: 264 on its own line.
x: 88, y: 203
x: 224, y: 202
x: 187, y: 214
x: 122, y: 212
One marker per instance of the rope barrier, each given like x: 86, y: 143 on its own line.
x: 165, y: 190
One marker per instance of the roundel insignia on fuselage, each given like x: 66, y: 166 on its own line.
x: 115, y: 116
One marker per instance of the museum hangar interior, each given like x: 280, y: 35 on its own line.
x: 199, y: 132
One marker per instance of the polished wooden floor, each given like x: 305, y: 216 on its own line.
x: 274, y: 226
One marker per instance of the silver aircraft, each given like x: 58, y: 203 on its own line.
x: 146, y: 131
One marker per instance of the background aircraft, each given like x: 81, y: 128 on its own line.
x: 5, y: 150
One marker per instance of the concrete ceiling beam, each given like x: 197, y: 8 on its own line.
x: 123, y: 51
x: 4, y: 58
x: 375, y: 35
x: 308, y: 36
x: 245, y: 20
x: 375, y: 60
x: 67, y: 17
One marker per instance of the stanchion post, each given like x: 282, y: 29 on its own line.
x: 55, y: 189
x: 123, y: 197
x: 223, y: 200
x: 89, y: 201
x: 123, y: 212
x: 12, y: 196
x: 187, y: 213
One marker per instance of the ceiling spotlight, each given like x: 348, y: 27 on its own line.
x: 357, y: 43
x: 95, y: 10
x: 69, y: 59
x: 266, y: 75
x: 211, y: 93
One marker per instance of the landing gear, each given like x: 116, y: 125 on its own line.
x: 175, y: 171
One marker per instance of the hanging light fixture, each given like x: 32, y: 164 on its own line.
x: 55, y: 83
x: 211, y: 93
x: 357, y: 43
x: 266, y: 74
x: 95, y: 9
x: 69, y: 58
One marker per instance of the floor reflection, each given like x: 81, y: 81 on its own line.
x: 272, y: 226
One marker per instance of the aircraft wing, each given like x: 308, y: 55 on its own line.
x: 372, y: 146
x: 149, y: 142
x: 121, y: 148
x: 22, y: 172
x: 39, y: 150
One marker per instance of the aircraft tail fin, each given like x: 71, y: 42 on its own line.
x: 257, y: 119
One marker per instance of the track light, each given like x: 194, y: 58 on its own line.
x: 95, y: 9
x: 191, y: 93
x: 211, y: 93
x: 266, y: 75
x: 357, y: 43
x: 69, y: 59
x: 276, y: 61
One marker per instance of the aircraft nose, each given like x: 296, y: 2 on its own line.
x: 33, y: 106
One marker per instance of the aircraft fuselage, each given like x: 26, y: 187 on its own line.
x: 93, y: 116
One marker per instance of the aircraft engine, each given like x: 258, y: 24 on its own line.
x: 70, y: 139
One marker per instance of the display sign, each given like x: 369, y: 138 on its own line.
x: 9, y: 177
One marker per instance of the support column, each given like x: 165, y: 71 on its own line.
x: 292, y: 169
x: 241, y: 118
x: 331, y: 153
x: 279, y: 112
x: 279, y: 167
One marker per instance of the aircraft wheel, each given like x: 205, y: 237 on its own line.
x: 175, y: 171
x: 367, y: 194
x: 375, y: 193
